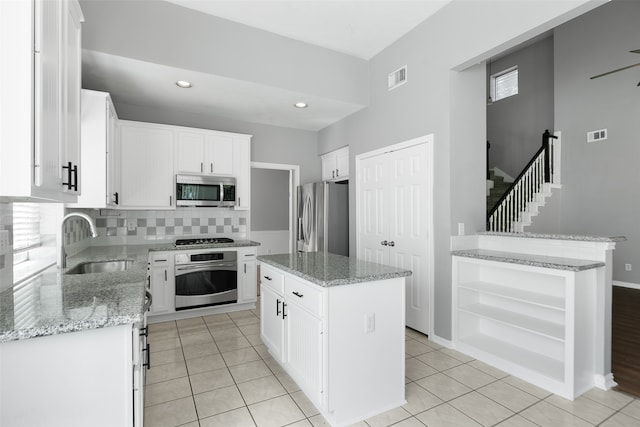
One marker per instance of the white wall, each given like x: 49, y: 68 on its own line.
x: 446, y: 103
x: 600, y: 192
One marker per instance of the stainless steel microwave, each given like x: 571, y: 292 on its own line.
x: 205, y: 190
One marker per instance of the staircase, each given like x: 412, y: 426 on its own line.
x: 512, y: 209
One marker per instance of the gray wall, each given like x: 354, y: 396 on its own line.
x: 600, y: 181
x: 449, y: 104
x: 269, y: 144
x: 515, y: 124
x: 269, y: 199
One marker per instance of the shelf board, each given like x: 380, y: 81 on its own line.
x: 536, y: 298
x: 532, y: 324
x: 536, y: 362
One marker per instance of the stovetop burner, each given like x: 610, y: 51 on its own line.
x: 203, y: 241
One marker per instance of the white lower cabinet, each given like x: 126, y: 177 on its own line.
x: 85, y: 378
x: 342, y: 345
x: 162, y: 282
x: 247, y: 275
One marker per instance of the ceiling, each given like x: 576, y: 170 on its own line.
x: 357, y: 28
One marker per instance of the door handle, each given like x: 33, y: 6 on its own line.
x: 384, y: 243
x: 392, y: 243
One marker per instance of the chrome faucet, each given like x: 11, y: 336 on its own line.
x: 94, y: 233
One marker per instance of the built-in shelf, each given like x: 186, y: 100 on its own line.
x: 536, y: 362
x: 529, y: 323
x: 516, y: 294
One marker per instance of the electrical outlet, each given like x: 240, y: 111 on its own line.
x: 131, y: 225
x: 627, y: 267
x: 461, y: 229
x: 369, y: 323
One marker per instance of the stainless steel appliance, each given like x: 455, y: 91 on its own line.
x: 205, y: 278
x: 323, y: 217
x: 205, y: 190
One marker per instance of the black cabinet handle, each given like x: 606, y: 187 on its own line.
x: 72, y: 176
x: 277, y: 307
x: 148, y: 350
x: 267, y: 277
x: 284, y: 305
x: 144, y: 332
x: 299, y: 295
x: 165, y: 275
x: 115, y: 198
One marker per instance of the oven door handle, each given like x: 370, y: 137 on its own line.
x: 190, y: 268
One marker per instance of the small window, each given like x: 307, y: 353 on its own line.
x: 504, y: 84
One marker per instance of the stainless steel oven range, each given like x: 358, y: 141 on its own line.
x: 206, y: 277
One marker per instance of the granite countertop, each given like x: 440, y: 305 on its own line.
x: 53, y: 303
x: 326, y: 269
x: 556, y: 236
x: 557, y: 263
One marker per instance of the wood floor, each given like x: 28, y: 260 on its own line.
x: 625, y: 358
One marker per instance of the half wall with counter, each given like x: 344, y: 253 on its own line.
x: 336, y: 325
x: 536, y: 306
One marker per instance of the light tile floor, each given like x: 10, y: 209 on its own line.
x: 215, y: 371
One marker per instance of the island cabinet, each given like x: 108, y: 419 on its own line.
x: 534, y: 316
x: 342, y: 342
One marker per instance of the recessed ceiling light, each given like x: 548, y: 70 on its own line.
x: 301, y: 105
x: 183, y: 84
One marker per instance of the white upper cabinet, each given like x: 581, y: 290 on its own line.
x: 201, y: 151
x: 242, y: 158
x: 100, y: 148
x: 40, y: 104
x: 146, y: 162
x: 335, y: 165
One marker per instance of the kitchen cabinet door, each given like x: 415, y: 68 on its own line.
x: 99, y: 151
x: 247, y: 275
x: 272, y: 322
x: 219, y: 154
x: 190, y: 149
x: 304, y: 349
x: 146, y: 161
x: 335, y: 165
x: 163, y: 285
x: 242, y: 158
x: 40, y: 80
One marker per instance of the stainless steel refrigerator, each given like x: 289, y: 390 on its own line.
x: 323, y: 217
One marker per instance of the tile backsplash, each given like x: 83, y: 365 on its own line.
x: 144, y: 226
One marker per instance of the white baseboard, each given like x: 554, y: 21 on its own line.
x: 626, y: 285
x: 439, y: 340
x: 604, y: 382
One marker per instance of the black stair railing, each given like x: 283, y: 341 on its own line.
x: 524, y: 188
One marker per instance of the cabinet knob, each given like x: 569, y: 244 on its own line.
x: 384, y: 243
x: 392, y: 243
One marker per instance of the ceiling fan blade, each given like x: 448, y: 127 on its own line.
x: 615, y: 71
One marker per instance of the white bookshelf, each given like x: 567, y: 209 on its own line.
x: 533, y: 322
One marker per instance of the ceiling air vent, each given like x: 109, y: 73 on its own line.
x: 397, y: 78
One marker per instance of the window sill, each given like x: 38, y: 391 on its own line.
x: 39, y: 260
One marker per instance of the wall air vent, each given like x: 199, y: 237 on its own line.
x: 397, y: 78
x: 597, y: 135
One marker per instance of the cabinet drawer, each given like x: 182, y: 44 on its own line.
x: 307, y: 296
x: 272, y: 278
x: 160, y: 259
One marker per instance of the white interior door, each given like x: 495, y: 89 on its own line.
x: 394, y: 221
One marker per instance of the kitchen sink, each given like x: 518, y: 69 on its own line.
x: 101, y: 266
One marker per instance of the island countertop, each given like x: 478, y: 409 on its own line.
x: 327, y: 269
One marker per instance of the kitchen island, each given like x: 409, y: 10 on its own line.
x: 337, y: 327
